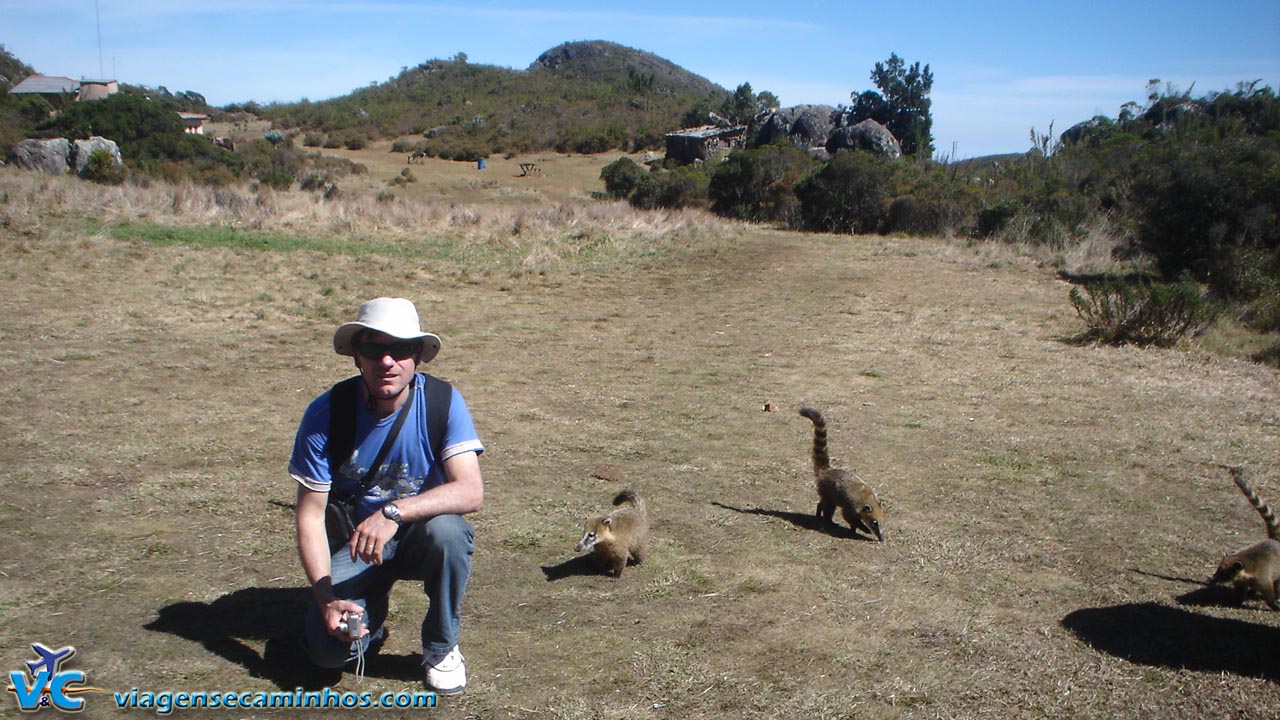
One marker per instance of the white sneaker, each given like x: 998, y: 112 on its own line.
x: 448, y: 675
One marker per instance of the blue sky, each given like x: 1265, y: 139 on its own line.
x: 1000, y: 68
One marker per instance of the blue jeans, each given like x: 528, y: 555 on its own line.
x: 436, y: 552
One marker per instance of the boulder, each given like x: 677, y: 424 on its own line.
x: 867, y: 135
x: 805, y: 125
x: 1084, y: 130
x: 47, y: 156
x: 82, y: 149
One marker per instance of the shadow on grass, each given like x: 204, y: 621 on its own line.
x: 226, y: 626
x: 581, y: 565
x: 801, y: 520
x: 1162, y: 636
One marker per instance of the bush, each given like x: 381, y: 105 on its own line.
x: 758, y: 185
x: 686, y: 186
x: 1141, y: 313
x: 122, y: 117
x: 993, y: 220
x: 1212, y: 210
x: 848, y: 195
x: 621, y: 177
x: 910, y: 216
x: 101, y: 168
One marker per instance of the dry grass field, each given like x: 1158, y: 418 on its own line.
x: 550, y: 177
x: 1052, y: 508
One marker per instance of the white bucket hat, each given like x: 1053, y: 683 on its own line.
x: 396, y: 317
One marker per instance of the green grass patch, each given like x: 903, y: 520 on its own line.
x: 222, y: 237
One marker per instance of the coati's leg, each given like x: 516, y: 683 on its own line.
x: 1268, y: 593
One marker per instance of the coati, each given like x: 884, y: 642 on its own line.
x: 839, y: 488
x: 1255, y: 569
x: 619, y: 537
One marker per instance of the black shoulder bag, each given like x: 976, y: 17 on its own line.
x: 340, y: 512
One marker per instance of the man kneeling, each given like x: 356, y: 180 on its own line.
x: 387, y: 463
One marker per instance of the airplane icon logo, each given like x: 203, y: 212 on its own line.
x: 50, y: 660
x: 49, y: 685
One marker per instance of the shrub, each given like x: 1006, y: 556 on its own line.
x: 122, y: 117
x: 993, y: 220
x: 848, y: 195
x: 1211, y: 210
x: 101, y: 168
x: 1141, y: 313
x: 686, y: 186
x: 758, y: 185
x: 912, y: 217
x: 621, y: 177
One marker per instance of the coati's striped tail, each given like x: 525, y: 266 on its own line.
x: 1269, y: 517
x: 820, y: 459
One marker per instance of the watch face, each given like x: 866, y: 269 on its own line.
x: 391, y: 511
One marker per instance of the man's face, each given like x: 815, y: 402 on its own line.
x: 386, y: 363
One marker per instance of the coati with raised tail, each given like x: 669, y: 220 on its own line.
x: 839, y: 488
x: 619, y: 537
x: 1255, y: 569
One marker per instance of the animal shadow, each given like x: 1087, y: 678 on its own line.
x: 225, y: 626
x: 801, y: 520
x: 580, y: 565
x: 1158, y: 635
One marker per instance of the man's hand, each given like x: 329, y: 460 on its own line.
x: 336, y: 611
x: 370, y: 536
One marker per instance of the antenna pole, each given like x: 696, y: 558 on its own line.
x: 102, y: 73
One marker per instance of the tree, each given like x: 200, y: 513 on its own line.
x: 744, y: 104
x: 902, y: 105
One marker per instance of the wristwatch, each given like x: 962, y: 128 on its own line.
x: 391, y: 512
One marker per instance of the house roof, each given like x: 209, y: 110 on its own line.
x: 46, y: 85
x: 189, y: 116
x: 708, y: 131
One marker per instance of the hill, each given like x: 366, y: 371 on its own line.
x: 12, y: 70
x: 576, y: 97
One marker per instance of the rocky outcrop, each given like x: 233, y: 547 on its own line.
x: 59, y: 155
x: 806, y: 126
x: 1084, y: 130
x: 46, y: 156
x: 82, y: 149
x: 867, y: 135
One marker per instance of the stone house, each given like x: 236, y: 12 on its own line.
x: 705, y: 143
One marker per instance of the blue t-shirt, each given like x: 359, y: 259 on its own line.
x: 409, y: 467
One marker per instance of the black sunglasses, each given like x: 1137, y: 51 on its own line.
x: 398, y: 350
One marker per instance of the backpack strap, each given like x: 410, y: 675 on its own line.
x: 342, y: 418
x: 439, y: 396
x: 342, y: 422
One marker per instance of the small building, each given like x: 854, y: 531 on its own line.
x: 194, y: 122
x: 704, y: 143
x: 55, y: 89
x: 98, y: 89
